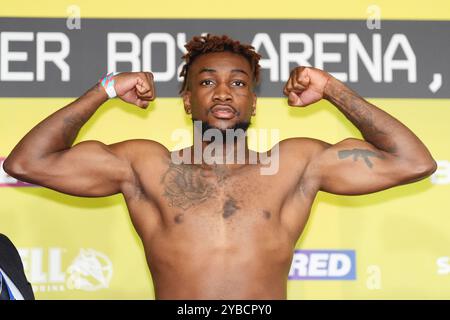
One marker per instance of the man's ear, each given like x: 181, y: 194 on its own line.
x: 187, y: 101
x: 254, y: 105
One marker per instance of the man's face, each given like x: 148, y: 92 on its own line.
x: 220, y: 90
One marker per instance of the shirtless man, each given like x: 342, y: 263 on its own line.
x: 220, y: 231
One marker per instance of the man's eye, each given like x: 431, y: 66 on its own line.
x: 239, y: 83
x: 206, y: 82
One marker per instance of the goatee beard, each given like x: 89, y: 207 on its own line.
x: 206, y: 126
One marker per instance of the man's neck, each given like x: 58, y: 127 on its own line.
x: 231, y: 154
x: 213, y: 147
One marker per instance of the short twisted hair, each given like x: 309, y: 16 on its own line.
x: 211, y: 43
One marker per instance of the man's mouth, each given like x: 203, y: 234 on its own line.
x: 223, y: 111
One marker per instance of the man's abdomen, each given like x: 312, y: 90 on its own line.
x: 239, y: 264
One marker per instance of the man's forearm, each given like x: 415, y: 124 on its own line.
x: 377, y: 127
x: 58, y: 131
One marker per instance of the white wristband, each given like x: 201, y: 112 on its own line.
x: 108, y: 84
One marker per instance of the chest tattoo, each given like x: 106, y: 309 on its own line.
x: 229, y: 207
x: 184, y: 186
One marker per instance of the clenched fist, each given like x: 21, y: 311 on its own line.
x: 135, y: 87
x: 306, y: 85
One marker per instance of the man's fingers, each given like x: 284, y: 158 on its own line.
x: 145, y: 88
x: 293, y: 86
x: 294, y: 99
x: 297, y: 83
x: 305, y: 86
x: 148, y: 95
x: 144, y: 93
x: 286, y: 89
x: 298, y: 87
x: 151, y: 82
x: 292, y: 82
x: 142, y: 85
x: 301, y: 78
x: 141, y: 103
x: 142, y: 89
x: 145, y: 98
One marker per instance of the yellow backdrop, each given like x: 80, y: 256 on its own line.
x: 401, y: 236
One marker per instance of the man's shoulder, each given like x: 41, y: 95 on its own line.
x: 140, y: 147
x: 143, y: 143
x: 305, y: 145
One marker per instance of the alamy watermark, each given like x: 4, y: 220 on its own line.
x: 228, y: 147
x: 73, y: 21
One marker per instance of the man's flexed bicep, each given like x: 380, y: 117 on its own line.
x: 353, y: 167
x: 391, y: 154
x: 45, y: 155
x: 89, y: 169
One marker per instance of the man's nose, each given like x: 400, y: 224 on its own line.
x: 222, y: 93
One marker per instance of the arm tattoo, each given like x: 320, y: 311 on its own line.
x: 359, y: 112
x: 185, y: 187
x: 363, y: 153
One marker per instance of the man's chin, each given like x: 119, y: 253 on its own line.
x: 223, y: 126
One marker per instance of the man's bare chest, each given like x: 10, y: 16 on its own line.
x: 189, y: 202
x: 219, y: 190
